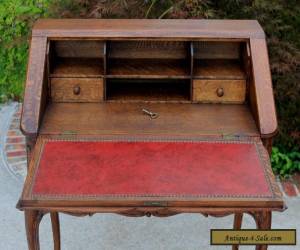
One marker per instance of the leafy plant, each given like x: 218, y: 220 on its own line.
x: 16, y: 18
x: 179, y: 9
x: 159, y: 9
x: 279, y: 18
x: 284, y: 164
x: 281, y: 22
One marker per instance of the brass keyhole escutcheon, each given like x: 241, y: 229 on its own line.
x: 220, y: 92
x: 76, y: 90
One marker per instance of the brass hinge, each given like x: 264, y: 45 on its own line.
x: 48, y: 48
x: 156, y: 203
x: 234, y: 136
x: 69, y: 132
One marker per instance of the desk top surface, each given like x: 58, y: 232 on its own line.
x: 175, y: 119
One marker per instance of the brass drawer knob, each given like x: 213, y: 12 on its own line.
x: 220, y: 92
x: 76, y: 90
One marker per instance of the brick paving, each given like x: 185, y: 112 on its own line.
x: 14, y: 149
x: 15, y: 153
x: 296, y: 179
x: 289, y: 188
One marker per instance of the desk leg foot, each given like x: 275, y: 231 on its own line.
x: 263, y: 222
x: 32, y: 222
x: 237, y: 224
x: 55, y: 229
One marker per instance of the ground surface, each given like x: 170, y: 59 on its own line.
x: 113, y: 232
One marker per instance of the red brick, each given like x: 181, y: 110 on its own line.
x: 15, y: 147
x: 12, y: 160
x: 296, y: 178
x: 14, y: 125
x: 16, y: 153
x: 13, y: 133
x: 18, y: 113
x: 289, y: 188
x: 19, y: 139
x: 14, y: 120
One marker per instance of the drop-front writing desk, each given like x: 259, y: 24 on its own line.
x: 92, y: 148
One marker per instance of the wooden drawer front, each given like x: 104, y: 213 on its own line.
x: 219, y: 91
x: 76, y: 90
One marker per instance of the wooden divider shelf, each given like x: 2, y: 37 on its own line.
x: 134, y: 70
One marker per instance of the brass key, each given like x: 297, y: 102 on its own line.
x: 151, y: 114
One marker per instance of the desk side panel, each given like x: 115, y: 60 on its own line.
x: 35, y: 88
x: 262, y: 98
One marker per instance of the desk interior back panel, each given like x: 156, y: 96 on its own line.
x: 148, y: 49
x: 79, y: 48
x: 77, y: 58
x: 139, y: 90
x: 216, y: 50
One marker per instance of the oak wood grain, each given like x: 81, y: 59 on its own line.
x: 233, y: 91
x: 90, y: 89
x: 148, y: 50
x: 148, y: 68
x: 218, y: 69
x: 77, y: 67
x: 55, y: 230
x: 128, y: 119
x: 78, y: 48
x: 147, y: 28
x: 35, y: 88
x: 262, y: 89
x: 217, y: 50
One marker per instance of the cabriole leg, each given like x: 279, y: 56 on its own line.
x: 55, y: 229
x: 32, y: 222
x: 237, y: 224
x: 263, y: 222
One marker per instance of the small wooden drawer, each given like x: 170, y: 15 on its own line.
x: 77, y: 89
x: 219, y: 91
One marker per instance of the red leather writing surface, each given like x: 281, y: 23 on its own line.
x: 150, y: 169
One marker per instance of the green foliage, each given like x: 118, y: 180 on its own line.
x: 16, y: 18
x: 67, y: 8
x: 179, y: 9
x: 284, y: 164
x: 279, y: 18
x: 281, y: 22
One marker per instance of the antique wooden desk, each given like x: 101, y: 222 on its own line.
x: 199, y: 147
